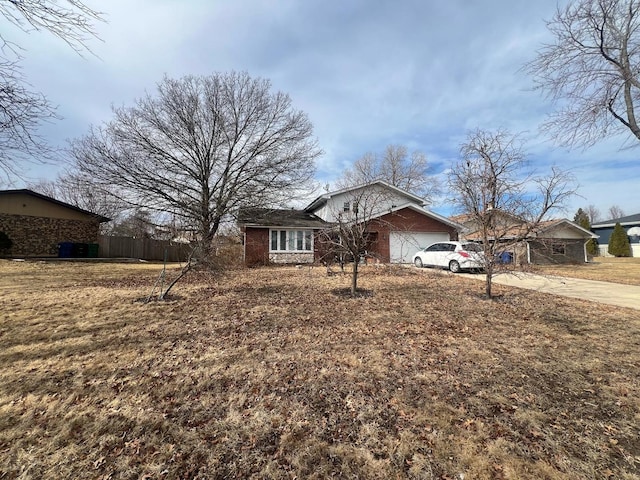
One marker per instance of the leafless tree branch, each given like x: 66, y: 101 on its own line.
x: 350, y: 236
x: 503, y: 201
x: 591, y: 71
x: 201, y: 148
x: 22, y: 111
x: 72, y: 21
x: 410, y: 172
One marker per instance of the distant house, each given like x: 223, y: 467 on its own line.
x: 399, y: 226
x: 37, y: 224
x: 550, y: 242
x: 630, y: 223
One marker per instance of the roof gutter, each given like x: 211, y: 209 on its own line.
x: 606, y: 225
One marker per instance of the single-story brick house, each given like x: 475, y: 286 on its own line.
x: 280, y: 236
x: 630, y: 223
x: 550, y: 242
x: 398, y: 226
x: 37, y: 224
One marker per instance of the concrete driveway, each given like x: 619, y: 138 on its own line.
x: 603, y: 292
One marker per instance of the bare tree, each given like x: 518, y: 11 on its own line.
x: 502, y: 200
x: 592, y: 70
x: 81, y: 192
x: 350, y: 237
x: 615, y: 212
x: 201, y: 148
x: 22, y: 110
x: 137, y: 224
x: 593, y: 213
x: 396, y: 167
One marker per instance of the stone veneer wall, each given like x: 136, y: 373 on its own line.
x: 289, y: 257
x: 40, y: 236
x: 542, y: 251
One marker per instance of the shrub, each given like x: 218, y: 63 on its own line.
x: 619, y: 242
x: 582, y: 219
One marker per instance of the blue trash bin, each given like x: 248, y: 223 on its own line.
x: 506, y: 257
x: 65, y: 249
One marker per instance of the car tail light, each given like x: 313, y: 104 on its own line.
x: 464, y: 254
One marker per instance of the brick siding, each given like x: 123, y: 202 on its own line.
x: 40, y: 236
x: 256, y: 250
x: 256, y: 246
x: 542, y: 251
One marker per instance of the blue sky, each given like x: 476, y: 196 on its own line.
x: 368, y: 73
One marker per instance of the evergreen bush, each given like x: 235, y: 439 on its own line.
x: 619, y: 242
x: 582, y: 219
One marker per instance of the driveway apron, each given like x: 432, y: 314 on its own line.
x: 603, y: 292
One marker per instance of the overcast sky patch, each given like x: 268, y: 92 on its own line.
x: 368, y: 74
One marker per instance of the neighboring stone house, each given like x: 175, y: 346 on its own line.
x: 398, y: 226
x: 37, y: 224
x: 550, y: 242
x: 631, y: 225
x: 558, y: 241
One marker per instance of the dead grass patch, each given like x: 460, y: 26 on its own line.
x: 604, y: 269
x: 266, y: 373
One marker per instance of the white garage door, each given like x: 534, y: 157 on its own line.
x: 403, y: 245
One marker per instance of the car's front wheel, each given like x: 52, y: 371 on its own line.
x: 454, y: 266
x: 418, y: 262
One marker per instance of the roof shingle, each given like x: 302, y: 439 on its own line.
x: 270, y: 217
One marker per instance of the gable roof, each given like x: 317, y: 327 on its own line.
x: 469, y: 217
x: 462, y: 218
x: 628, y: 220
x: 272, y: 217
x: 423, y: 211
x: 322, y: 199
x: 31, y: 193
x: 550, y: 224
x: 515, y: 231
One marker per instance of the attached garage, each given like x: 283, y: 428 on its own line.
x: 406, y: 229
x: 403, y: 245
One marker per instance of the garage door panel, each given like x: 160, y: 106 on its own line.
x: 403, y: 245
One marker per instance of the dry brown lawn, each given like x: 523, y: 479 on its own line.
x: 273, y: 374
x: 605, y: 269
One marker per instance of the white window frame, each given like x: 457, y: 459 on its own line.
x: 288, y: 243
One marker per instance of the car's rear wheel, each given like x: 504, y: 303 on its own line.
x: 454, y: 266
x: 418, y: 262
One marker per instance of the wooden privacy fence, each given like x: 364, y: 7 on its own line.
x: 143, y: 248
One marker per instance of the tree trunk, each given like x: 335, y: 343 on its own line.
x: 488, y: 279
x: 186, y: 269
x: 354, y: 278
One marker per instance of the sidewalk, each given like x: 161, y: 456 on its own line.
x: 603, y: 292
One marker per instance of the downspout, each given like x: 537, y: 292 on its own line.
x: 586, y: 258
x: 244, y: 247
x: 528, y: 253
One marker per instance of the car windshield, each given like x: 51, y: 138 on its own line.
x: 472, y: 247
